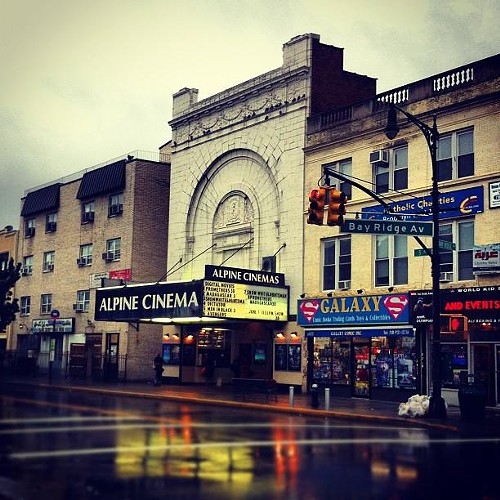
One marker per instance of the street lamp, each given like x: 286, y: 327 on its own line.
x: 437, y: 408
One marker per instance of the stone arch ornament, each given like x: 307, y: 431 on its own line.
x: 235, y: 200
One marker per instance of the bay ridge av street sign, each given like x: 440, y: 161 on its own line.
x: 403, y: 228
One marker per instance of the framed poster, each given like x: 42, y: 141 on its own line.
x: 294, y: 358
x: 259, y: 357
x: 280, y: 357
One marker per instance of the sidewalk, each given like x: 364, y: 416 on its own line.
x: 343, y: 408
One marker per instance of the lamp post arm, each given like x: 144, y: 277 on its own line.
x: 328, y: 171
x: 431, y: 133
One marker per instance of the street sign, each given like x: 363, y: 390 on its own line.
x: 421, y: 252
x: 447, y: 245
x: 403, y: 228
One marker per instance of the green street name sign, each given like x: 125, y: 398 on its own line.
x: 404, y: 228
x: 420, y: 252
x: 447, y: 245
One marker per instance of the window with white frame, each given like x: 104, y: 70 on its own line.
x: 45, y: 303
x: 51, y: 222
x: 27, y: 269
x: 113, y: 249
x: 82, y: 300
x: 336, y: 263
x: 391, y: 260
x: 115, y: 206
x: 85, y: 258
x: 455, y: 155
x: 4, y: 261
x: 393, y: 174
x: 25, y: 306
x: 457, y: 265
x: 88, y: 212
x: 48, y: 261
x: 342, y: 167
x: 29, y: 227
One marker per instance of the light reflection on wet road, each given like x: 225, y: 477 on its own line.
x: 72, y: 445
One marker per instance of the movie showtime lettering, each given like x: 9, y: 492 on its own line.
x: 354, y: 310
x: 478, y: 304
x: 136, y: 302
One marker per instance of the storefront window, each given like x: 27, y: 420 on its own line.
x: 393, y: 362
x: 331, y: 361
x: 453, y: 361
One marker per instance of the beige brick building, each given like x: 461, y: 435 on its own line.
x: 107, y: 222
x: 8, y: 245
x: 341, y: 265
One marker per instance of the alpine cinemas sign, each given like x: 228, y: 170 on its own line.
x: 163, y: 300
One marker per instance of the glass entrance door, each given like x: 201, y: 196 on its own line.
x: 361, y: 366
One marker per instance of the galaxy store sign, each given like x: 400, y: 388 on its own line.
x: 358, y: 310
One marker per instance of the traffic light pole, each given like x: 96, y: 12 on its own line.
x: 327, y: 171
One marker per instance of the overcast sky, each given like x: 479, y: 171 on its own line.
x: 85, y: 81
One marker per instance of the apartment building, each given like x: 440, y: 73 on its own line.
x: 368, y: 308
x: 8, y: 245
x: 103, y: 226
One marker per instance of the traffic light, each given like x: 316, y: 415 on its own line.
x: 336, y: 207
x: 454, y: 323
x: 317, y: 200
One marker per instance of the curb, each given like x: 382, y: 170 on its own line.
x: 294, y: 410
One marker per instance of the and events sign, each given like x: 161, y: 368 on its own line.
x: 158, y: 300
x: 244, y: 294
x: 354, y: 310
x: 453, y: 204
x: 479, y: 304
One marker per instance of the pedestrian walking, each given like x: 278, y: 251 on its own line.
x: 158, y: 368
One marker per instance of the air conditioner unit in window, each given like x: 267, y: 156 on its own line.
x: 446, y: 276
x: 78, y: 308
x: 50, y: 267
x: 26, y: 271
x: 51, y: 227
x: 115, y: 209
x: 88, y: 217
x: 82, y: 261
x: 379, y: 157
x: 345, y: 284
x: 108, y: 256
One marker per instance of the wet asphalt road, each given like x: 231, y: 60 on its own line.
x: 71, y: 445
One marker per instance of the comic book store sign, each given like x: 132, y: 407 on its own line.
x: 164, y: 300
x: 356, y: 310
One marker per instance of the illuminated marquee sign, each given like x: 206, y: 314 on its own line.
x: 136, y: 302
x: 231, y: 292
x: 242, y: 301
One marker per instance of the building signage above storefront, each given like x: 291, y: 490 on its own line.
x: 358, y: 310
x: 478, y: 304
x: 160, y: 300
x: 486, y: 259
x: 453, y: 204
x: 361, y: 332
x: 245, y: 276
x: 56, y: 325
